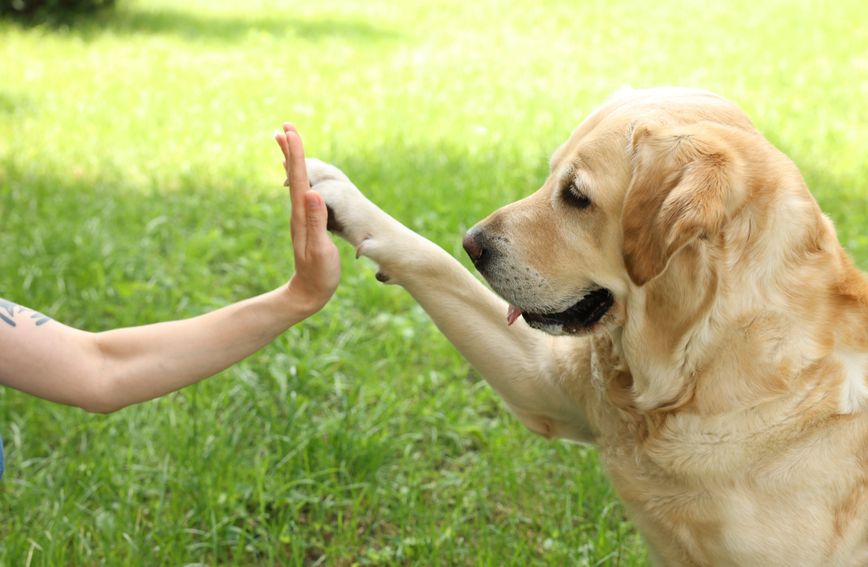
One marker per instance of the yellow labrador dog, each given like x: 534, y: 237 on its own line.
x: 674, y: 295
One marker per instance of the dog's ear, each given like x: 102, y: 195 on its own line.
x: 687, y: 182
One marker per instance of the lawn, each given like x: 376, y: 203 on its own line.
x: 139, y: 182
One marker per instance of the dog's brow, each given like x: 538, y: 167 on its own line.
x: 569, y: 171
x: 565, y: 173
x: 579, y: 162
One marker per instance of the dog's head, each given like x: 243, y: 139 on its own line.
x: 640, y: 179
x: 639, y: 218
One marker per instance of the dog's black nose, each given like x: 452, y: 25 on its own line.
x: 474, y: 245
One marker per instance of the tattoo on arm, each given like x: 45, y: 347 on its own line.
x: 9, y: 314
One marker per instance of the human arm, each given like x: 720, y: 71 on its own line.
x: 107, y: 371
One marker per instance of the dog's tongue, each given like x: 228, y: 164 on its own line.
x: 512, y: 314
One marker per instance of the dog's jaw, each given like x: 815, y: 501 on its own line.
x: 578, y: 319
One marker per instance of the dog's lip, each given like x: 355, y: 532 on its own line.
x: 587, y: 311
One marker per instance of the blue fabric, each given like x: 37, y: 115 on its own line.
x: 1, y: 458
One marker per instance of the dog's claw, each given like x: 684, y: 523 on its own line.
x: 382, y: 277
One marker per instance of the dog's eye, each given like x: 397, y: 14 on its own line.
x: 575, y: 198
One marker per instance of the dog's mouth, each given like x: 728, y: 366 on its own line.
x: 584, y: 314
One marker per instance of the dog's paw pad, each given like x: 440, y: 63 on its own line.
x: 333, y: 224
x: 382, y: 277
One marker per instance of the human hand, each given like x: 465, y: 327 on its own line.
x: 317, y: 263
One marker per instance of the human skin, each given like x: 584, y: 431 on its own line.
x: 106, y: 371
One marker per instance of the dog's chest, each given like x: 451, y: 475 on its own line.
x: 704, y: 493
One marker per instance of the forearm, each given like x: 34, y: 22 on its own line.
x: 107, y: 371
x: 471, y: 316
x: 521, y: 364
x: 142, y: 363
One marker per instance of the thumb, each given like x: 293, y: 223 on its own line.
x: 317, y: 217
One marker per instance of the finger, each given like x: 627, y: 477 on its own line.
x: 298, y: 186
x: 298, y: 180
x: 289, y: 127
x: 280, y: 138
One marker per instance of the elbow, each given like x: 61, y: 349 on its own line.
x: 541, y: 426
x: 97, y: 398
x: 97, y: 389
x: 551, y: 428
x: 96, y: 406
x: 98, y: 393
x: 536, y: 423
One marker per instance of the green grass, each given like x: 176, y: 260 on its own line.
x: 139, y: 182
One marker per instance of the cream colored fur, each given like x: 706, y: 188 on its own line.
x: 726, y: 388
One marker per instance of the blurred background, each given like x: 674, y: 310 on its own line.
x: 139, y: 182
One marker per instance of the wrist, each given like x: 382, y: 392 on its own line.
x: 299, y: 303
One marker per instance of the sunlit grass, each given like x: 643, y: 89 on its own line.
x: 138, y: 183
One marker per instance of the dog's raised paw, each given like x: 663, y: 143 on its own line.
x: 350, y: 214
x: 333, y: 224
x: 319, y: 171
x: 354, y: 218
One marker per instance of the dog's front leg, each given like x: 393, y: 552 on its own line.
x: 543, y: 379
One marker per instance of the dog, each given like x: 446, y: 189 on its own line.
x: 673, y: 295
